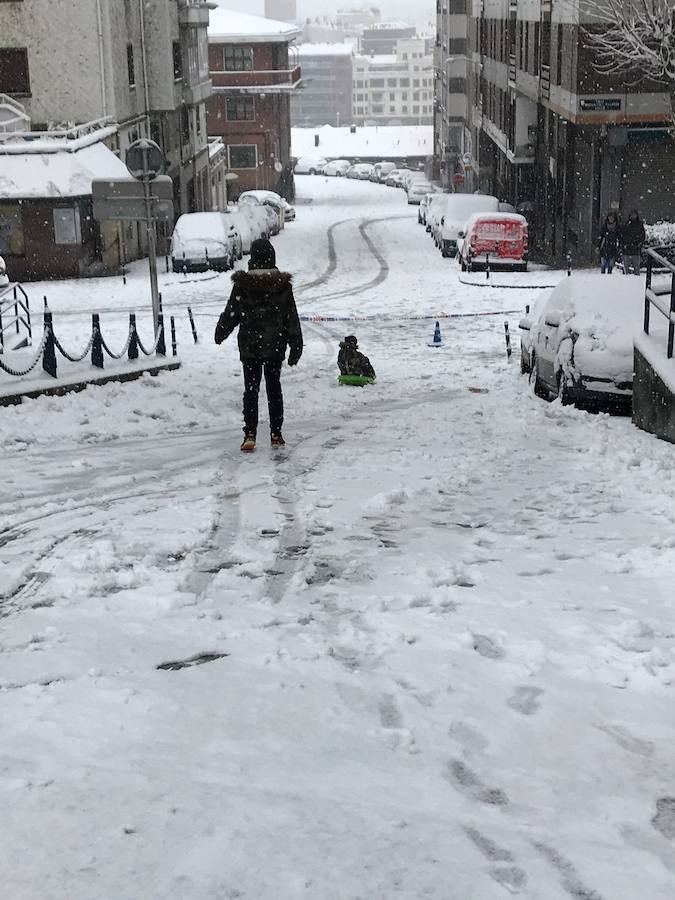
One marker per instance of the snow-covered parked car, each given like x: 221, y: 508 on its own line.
x: 458, y: 209
x: 417, y: 191
x: 270, y: 198
x: 203, y: 241
x: 381, y: 171
x: 434, y: 213
x: 4, y: 278
x: 337, y: 168
x: 360, y: 171
x: 424, y: 205
x: 580, y: 339
x: 501, y: 237
x: 310, y: 165
x: 395, y: 177
x: 247, y: 226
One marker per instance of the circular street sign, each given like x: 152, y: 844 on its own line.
x: 145, y: 160
x: 278, y: 167
x: 467, y: 159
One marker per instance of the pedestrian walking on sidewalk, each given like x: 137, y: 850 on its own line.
x: 609, y: 243
x: 634, y: 236
x: 263, y: 306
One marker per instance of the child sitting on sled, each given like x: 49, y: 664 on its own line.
x: 351, y: 361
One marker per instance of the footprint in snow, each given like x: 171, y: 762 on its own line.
x: 525, y: 700
x: 468, y: 782
x: 487, y: 647
x: 628, y: 741
x: 664, y: 820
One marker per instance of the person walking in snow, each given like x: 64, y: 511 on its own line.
x: 263, y: 306
x: 609, y: 243
x: 633, y: 235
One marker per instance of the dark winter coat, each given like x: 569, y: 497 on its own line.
x: 610, y: 241
x: 263, y: 306
x: 633, y: 234
x: 352, y: 362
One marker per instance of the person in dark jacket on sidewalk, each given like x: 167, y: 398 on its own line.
x: 263, y: 306
x: 609, y: 243
x: 633, y: 234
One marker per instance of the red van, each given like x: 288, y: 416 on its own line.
x: 500, y: 236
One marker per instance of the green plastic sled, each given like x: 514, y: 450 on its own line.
x: 355, y: 380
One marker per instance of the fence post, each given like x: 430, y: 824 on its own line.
x: 159, y: 297
x: 166, y: 262
x: 487, y: 266
x: 2, y: 334
x: 174, y: 345
x: 569, y: 264
x: 647, y: 289
x: 49, y: 353
x: 133, y: 338
x: 97, y: 345
x: 192, y: 325
x: 161, y: 341
x: 508, y: 339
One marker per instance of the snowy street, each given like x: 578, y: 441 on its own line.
x: 427, y: 651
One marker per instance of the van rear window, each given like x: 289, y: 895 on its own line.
x: 498, y: 231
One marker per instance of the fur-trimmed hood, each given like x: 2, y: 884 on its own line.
x: 263, y: 281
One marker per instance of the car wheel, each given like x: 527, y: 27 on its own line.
x: 564, y: 393
x: 540, y: 389
x: 525, y: 366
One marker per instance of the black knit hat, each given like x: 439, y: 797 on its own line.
x: 351, y: 340
x: 262, y: 255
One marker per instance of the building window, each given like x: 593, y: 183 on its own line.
x: 243, y: 156
x: 130, y: 65
x: 405, y: 82
x: 238, y: 59
x: 177, y: 61
x: 391, y: 82
x: 377, y: 82
x: 67, y: 226
x: 240, y: 109
x: 11, y: 230
x: 14, y: 71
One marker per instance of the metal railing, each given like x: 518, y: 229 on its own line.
x: 14, y: 315
x: 662, y: 300
x: 96, y: 347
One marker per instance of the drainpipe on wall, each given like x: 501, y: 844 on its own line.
x: 101, y: 59
x: 146, y: 92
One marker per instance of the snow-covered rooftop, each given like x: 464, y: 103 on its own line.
x: 326, y: 49
x: 384, y: 142
x: 229, y: 27
x: 48, y: 170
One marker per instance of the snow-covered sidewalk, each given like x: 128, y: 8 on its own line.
x: 425, y: 652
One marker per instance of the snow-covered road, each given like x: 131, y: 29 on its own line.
x: 426, y: 652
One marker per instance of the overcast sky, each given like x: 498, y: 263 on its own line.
x: 420, y: 12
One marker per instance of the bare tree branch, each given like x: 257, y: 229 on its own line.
x: 636, y: 38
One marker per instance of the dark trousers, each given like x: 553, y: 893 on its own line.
x: 253, y: 370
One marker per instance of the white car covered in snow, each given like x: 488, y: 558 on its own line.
x: 4, y: 278
x: 361, y: 171
x: 417, y: 191
x: 458, y: 208
x: 337, y: 168
x: 578, y: 340
x: 310, y: 165
x: 203, y: 241
x: 270, y: 198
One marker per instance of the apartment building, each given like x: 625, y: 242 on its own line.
x: 354, y: 20
x: 327, y: 77
x: 521, y: 111
x: 382, y: 38
x: 139, y: 63
x: 395, y: 88
x: 254, y: 66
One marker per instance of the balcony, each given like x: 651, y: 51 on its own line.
x: 545, y: 82
x: 268, y: 81
x: 512, y: 68
x: 193, y: 12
